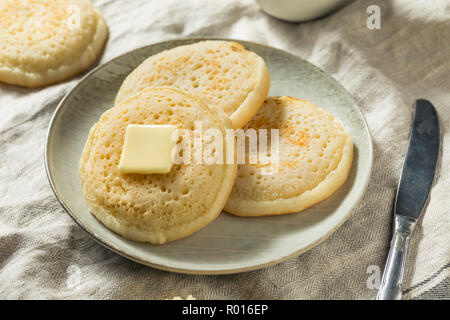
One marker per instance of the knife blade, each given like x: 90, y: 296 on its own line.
x: 420, y: 162
x: 412, y: 193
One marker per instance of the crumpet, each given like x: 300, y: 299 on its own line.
x: 155, y: 208
x: 47, y: 41
x: 315, y: 157
x: 232, y: 78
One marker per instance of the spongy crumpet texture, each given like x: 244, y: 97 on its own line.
x: 154, y: 208
x: 233, y: 79
x: 315, y: 157
x: 47, y: 41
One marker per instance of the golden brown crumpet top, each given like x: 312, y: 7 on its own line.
x: 315, y: 157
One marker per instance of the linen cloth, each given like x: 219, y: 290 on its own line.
x: 45, y: 255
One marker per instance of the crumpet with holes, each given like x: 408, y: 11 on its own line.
x: 47, y: 41
x: 155, y: 208
x: 315, y: 157
x: 230, y: 77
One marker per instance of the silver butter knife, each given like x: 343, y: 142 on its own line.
x: 412, y: 194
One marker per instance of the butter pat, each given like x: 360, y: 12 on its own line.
x: 147, y: 149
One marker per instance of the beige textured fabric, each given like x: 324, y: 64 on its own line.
x: 44, y: 254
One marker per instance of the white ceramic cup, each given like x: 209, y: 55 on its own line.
x: 299, y: 10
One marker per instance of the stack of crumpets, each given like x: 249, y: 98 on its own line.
x: 224, y: 87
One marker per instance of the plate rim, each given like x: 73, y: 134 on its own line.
x: 124, y: 254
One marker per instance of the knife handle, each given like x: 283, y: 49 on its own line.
x: 391, y: 284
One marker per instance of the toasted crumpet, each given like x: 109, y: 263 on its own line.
x: 315, y: 157
x: 47, y: 41
x: 233, y: 79
x: 155, y: 208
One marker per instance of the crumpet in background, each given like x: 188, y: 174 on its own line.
x: 47, y: 41
x: 155, y: 208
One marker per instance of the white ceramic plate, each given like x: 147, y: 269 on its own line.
x: 229, y: 244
